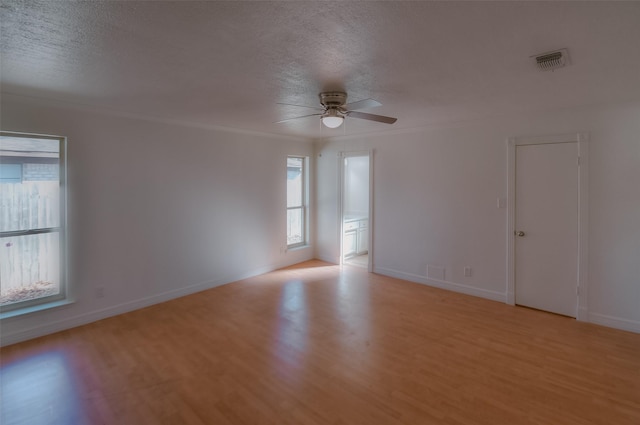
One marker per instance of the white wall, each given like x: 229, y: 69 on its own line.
x: 158, y: 210
x: 435, y: 195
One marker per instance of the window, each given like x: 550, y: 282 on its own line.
x: 296, y: 201
x: 32, y: 220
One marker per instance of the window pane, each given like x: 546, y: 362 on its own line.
x: 29, y: 267
x: 29, y: 183
x: 294, y: 226
x: 31, y: 219
x: 294, y: 182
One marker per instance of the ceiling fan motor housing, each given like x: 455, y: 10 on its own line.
x: 333, y: 99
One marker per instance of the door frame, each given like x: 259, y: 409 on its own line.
x: 341, y: 156
x: 582, y: 140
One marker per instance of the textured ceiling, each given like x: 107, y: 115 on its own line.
x: 230, y: 63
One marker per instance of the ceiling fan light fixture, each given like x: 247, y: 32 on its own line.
x: 332, y: 119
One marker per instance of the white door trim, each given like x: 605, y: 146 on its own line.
x: 582, y: 140
x: 341, y: 157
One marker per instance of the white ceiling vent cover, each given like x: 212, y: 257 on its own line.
x: 552, y: 60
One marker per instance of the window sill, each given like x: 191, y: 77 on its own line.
x: 34, y: 308
x: 298, y: 247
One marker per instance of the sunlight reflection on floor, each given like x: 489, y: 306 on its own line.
x: 44, y: 380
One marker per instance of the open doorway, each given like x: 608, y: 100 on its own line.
x: 356, y: 209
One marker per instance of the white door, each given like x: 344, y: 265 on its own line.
x: 546, y: 226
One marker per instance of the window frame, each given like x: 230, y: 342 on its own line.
x: 35, y: 304
x: 303, y: 202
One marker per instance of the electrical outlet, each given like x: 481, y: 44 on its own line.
x: 467, y: 271
x: 100, y: 292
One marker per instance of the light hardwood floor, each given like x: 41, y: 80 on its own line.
x: 319, y: 344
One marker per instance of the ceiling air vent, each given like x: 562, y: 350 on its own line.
x: 552, y: 60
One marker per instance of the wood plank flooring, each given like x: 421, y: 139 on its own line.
x: 318, y: 344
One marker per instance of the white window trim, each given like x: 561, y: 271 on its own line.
x: 63, y: 298
x: 305, y: 202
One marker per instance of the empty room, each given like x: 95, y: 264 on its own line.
x: 298, y: 212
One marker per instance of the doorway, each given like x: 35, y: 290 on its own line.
x: 547, y: 224
x: 356, y: 209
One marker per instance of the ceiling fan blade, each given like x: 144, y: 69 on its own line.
x: 371, y: 117
x: 301, y: 106
x: 362, y: 104
x: 297, y: 118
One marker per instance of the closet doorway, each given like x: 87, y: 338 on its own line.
x: 355, y: 235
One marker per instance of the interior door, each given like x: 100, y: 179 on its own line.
x: 546, y: 226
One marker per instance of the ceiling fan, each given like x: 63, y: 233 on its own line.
x: 335, y: 110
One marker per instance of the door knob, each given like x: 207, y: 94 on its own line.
x: 519, y: 233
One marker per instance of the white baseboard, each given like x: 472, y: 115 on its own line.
x: 583, y: 314
x: 442, y: 284
x: 327, y: 258
x: 93, y: 316
x: 615, y: 322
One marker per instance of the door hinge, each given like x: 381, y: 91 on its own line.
x: 577, y: 290
x: 578, y: 161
